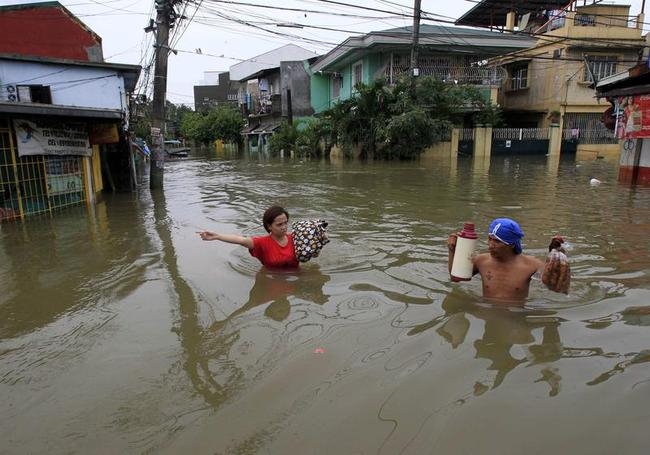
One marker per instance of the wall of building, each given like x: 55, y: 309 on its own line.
x: 221, y: 91
x: 295, y: 77
x: 321, y: 92
x: 556, y: 74
x: 269, y: 60
x: 69, y: 85
x: 634, y: 162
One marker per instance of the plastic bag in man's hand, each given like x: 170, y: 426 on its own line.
x: 557, y: 272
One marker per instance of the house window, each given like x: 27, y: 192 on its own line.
x: 337, y: 85
x: 585, y: 20
x: 357, y: 73
x: 519, y: 77
x: 34, y: 94
x: 598, y: 67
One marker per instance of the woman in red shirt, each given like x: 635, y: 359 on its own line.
x: 274, y: 250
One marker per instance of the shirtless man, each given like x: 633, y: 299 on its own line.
x: 505, y: 271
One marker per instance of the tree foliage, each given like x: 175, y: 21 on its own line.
x: 393, y: 122
x: 175, y: 114
x: 223, y: 122
x: 142, y: 118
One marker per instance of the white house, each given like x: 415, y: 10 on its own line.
x: 56, y: 118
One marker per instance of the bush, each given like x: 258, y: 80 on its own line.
x: 283, y: 139
x: 405, y: 136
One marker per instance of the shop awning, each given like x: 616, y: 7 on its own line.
x: 14, y: 108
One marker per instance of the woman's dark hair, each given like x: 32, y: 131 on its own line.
x: 271, y: 214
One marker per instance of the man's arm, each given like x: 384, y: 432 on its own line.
x: 451, y: 246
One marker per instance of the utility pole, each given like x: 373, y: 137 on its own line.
x: 415, y: 69
x: 165, y: 16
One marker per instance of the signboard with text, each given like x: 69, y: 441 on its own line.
x: 47, y: 137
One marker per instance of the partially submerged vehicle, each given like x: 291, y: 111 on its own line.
x: 175, y: 148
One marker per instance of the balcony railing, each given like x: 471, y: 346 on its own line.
x: 456, y: 75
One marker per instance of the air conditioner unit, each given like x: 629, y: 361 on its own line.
x: 11, y: 93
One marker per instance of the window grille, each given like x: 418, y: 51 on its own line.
x: 519, y: 78
x: 337, y: 84
x: 587, y: 128
x: 599, y: 66
x: 357, y: 73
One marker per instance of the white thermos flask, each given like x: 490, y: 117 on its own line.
x: 462, y: 267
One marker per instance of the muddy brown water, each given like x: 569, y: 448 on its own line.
x: 122, y: 332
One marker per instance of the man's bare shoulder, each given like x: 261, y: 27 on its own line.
x: 481, y: 258
x: 532, y: 261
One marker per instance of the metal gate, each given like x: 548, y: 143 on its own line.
x: 466, y: 141
x: 520, y: 141
x: 38, y: 184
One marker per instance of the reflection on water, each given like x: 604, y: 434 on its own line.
x: 121, y: 331
x: 275, y: 288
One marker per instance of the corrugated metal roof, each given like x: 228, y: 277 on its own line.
x: 432, y: 38
x: 492, y: 13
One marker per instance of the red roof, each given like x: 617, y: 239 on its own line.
x: 47, y: 30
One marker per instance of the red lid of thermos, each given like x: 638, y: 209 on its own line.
x: 468, y: 231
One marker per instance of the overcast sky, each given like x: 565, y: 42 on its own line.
x: 226, y: 32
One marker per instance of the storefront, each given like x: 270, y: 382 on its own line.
x: 629, y: 118
x: 48, y: 163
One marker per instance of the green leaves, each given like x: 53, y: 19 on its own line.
x: 223, y: 123
x: 386, y: 122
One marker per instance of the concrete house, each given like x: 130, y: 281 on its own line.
x: 577, y: 44
x: 273, y: 86
x: 453, y: 54
x: 216, y: 89
x: 63, y: 110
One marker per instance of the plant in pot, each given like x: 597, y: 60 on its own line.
x: 554, y: 117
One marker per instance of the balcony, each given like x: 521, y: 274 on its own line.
x: 599, y: 21
x: 458, y: 75
x: 266, y: 105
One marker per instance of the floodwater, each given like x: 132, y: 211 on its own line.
x: 122, y: 332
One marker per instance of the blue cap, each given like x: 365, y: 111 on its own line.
x: 507, y: 231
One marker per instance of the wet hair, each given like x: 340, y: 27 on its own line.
x: 271, y: 214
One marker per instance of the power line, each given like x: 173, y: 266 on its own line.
x: 302, y: 10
